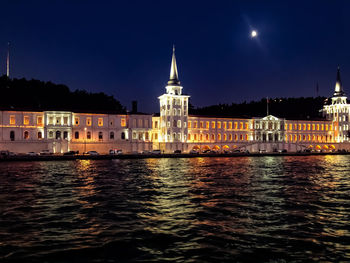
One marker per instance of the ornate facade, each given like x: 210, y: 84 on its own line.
x: 174, y: 129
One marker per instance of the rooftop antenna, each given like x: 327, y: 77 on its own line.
x: 8, y: 60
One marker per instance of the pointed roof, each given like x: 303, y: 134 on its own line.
x: 174, y: 77
x: 338, y: 90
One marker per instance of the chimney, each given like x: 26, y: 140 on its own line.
x: 134, y: 106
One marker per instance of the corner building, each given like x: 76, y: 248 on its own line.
x: 174, y: 129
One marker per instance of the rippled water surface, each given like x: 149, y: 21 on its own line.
x: 262, y: 209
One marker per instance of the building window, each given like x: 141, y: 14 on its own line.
x: 140, y: 136
x: 88, y: 135
x: 213, y: 124
x: 12, y: 120
x: 189, y: 124
x: 230, y: 137
x: 76, y: 135
x: 174, y: 123
x: 100, y: 136
x: 26, y: 120
x: 26, y: 135
x: 155, y: 124
x: 58, y: 135
x: 146, y: 136
x: 219, y: 137
x: 213, y: 137
x: 88, y: 121
x: 39, y: 120
x: 122, y: 135
x: 100, y: 122
x: 156, y: 136
x: 58, y: 120
x: 111, y: 135
x: 219, y: 124
x: 225, y: 136
x: 50, y: 120
x: 12, y: 135
x: 201, y: 125
x: 140, y: 123
x: 40, y: 135
x: 76, y: 121
x: 123, y: 122
x: 50, y: 134
x: 65, y: 120
x: 65, y: 135
x: 224, y: 125
x: 179, y: 124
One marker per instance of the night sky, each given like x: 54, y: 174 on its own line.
x: 124, y: 48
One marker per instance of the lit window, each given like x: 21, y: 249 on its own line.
x: 50, y: 120
x: 58, y: 120
x: 219, y: 125
x: 146, y: 136
x: 51, y: 134
x: 230, y: 125
x: 195, y: 124
x: 26, y: 120
x: 219, y: 137
x: 207, y: 125
x: 189, y: 124
x: 241, y: 125
x: 76, y: 121
x: 241, y: 137
x: 225, y: 136
x: 213, y: 124
x: 179, y: 124
x: 88, y: 121
x: 65, y: 120
x: 224, y: 124
x: 235, y: 126
x: 39, y: 120
x: 213, y: 137
x: 230, y: 137
x: 100, y: 122
x: 201, y: 125
x: 12, y: 120
x: 123, y: 122
x: 26, y: 135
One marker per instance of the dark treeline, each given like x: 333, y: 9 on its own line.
x: 22, y: 94
x: 289, y: 108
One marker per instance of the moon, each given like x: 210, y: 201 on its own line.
x: 254, y: 33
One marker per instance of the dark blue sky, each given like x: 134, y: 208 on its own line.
x: 124, y: 48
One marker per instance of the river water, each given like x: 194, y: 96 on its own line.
x: 246, y: 209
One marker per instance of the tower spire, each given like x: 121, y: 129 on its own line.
x: 8, y: 60
x: 174, y: 78
x: 338, y: 91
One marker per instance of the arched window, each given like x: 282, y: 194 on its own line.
x: 40, y: 135
x: 26, y: 135
x: 76, y: 135
x: 100, y: 136
x: 65, y: 135
x: 88, y: 135
x: 111, y: 135
x: 12, y: 135
x: 122, y: 135
x: 58, y: 135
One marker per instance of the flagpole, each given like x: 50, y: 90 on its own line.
x: 267, y: 106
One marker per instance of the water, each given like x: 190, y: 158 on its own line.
x: 262, y: 209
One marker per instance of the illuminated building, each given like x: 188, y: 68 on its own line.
x: 174, y: 129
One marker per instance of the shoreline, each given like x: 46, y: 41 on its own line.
x: 147, y: 156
